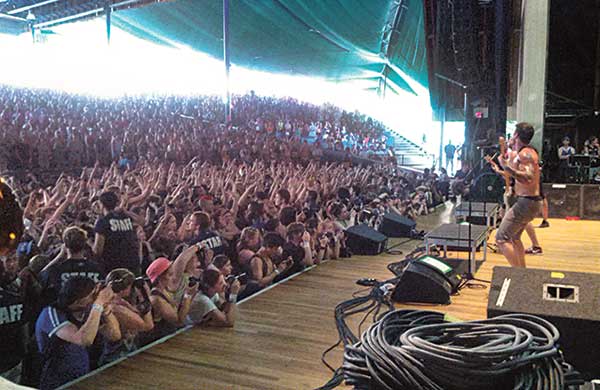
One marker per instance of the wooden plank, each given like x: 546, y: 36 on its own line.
x: 279, y: 336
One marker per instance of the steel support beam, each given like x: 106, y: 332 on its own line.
x: 226, y: 60
x: 108, y: 12
x: 32, y: 6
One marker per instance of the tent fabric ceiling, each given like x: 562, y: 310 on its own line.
x: 339, y: 40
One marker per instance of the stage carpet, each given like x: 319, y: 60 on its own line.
x: 279, y: 335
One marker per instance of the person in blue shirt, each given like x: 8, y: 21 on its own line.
x: 449, y: 150
x: 64, y: 330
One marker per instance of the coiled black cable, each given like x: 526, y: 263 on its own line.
x: 411, y: 349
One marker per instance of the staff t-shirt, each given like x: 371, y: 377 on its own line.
x: 212, y: 240
x: 120, y: 242
x: 12, y: 320
x: 58, y: 274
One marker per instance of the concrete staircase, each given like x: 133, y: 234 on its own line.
x: 411, y: 155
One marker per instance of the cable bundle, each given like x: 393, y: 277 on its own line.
x: 370, y: 303
x: 411, y: 349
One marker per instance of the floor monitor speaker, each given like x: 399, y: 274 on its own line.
x: 364, y: 240
x: 427, y: 279
x: 569, y: 300
x: 395, y: 225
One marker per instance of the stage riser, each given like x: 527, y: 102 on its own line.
x: 575, y: 200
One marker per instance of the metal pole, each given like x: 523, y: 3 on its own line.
x: 442, y: 123
x: 226, y: 59
x: 108, y: 12
x: 501, y: 54
x: 466, y: 151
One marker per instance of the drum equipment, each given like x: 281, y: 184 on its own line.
x: 487, y: 187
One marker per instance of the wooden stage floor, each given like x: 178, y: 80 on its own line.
x: 279, y: 336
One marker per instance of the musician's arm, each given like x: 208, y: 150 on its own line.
x: 525, y: 173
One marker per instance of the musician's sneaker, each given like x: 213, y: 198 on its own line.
x: 534, y: 250
x: 544, y: 224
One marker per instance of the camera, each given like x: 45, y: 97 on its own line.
x: 330, y: 236
x: 140, y: 281
x: 201, y: 253
x: 192, y: 281
x: 232, y: 277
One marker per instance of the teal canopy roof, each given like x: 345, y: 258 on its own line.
x: 379, y: 41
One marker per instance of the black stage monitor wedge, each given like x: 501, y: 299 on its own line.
x: 569, y: 300
x: 395, y: 225
x: 427, y: 279
x: 364, y: 240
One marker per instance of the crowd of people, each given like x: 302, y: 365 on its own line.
x: 143, y: 215
x: 50, y: 130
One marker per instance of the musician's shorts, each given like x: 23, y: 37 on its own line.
x: 517, y: 217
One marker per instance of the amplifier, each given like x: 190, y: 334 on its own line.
x: 564, y: 200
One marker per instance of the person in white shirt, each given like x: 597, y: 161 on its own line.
x: 564, y: 152
x: 211, y: 308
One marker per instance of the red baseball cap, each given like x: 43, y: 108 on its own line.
x: 157, y: 268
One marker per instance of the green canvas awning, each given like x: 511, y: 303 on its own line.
x: 338, y: 40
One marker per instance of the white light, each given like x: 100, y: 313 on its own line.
x: 30, y: 16
x: 76, y: 59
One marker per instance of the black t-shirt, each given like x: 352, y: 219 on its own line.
x: 120, y: 242
x: 57, y: 275
x: 12, y: 329
x: 212, y: 240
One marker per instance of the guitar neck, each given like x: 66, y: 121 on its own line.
x: 502, y: 143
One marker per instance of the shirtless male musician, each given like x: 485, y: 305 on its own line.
x: 524, y: 167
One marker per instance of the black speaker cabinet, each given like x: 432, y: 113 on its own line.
x: 569, y: 300
x: 427, y: 279
x: 364, y: 240
x: 564, y: 200
x: 591, y: 202
x: 395, y: 225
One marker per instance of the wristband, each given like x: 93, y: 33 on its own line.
x: 277, y: 271
x: 232, y: 298
x: 98, y: 307
x: 187, y: 296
